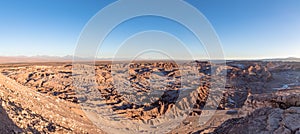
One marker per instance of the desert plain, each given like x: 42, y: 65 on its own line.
x: 254, y: 96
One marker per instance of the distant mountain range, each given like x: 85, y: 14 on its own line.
x: 69, y: 58
x: 289, y: 59
x: 26, y: 59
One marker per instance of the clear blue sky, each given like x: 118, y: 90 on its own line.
x: 246, y: 28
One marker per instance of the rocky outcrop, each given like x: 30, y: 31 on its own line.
x: 264, y: 120
x: 277, y: 112
x: 242, y: 79
x: 280, y: 99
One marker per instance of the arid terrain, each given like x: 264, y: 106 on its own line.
x: 257, y: 96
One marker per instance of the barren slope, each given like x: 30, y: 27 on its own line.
x: 33, y: 112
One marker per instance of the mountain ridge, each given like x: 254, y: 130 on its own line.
x: 69, y: 58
